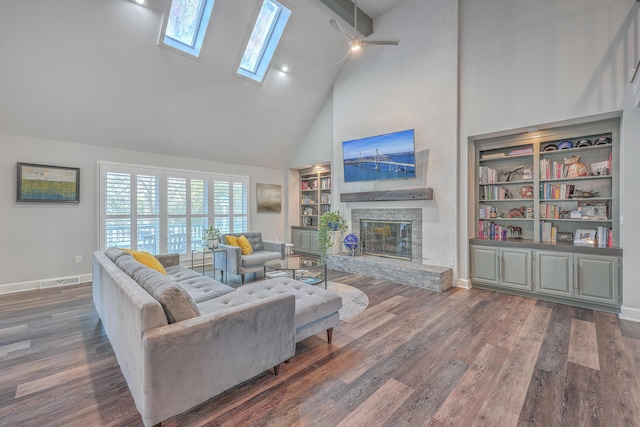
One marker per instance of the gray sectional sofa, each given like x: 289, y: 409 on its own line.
x: 182, y: 338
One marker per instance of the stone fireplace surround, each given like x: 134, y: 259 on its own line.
x: 413, y: 273
x: 413, y: 215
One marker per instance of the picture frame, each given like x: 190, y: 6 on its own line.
x: 563, y: 237
x: 585, y: 237
x: 269, y: 198
x: 594, y: 210
x: 47, y: 184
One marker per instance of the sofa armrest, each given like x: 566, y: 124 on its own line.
x: 188, y: 362
x: 234, y: 259
x: 272, y: 246
x: 168, y: 260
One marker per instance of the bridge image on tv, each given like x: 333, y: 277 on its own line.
x: 389, y: 156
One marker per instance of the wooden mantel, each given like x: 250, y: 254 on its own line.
x: 388, y: 195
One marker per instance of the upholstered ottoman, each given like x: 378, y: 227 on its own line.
x: 316, y: 308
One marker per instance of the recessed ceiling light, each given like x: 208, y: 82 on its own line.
x: 284, y: 68
x: 139, y: 1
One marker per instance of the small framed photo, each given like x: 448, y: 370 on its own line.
x: 48, y: 184
x: 563, y: 237
x: 585, y: 237
x: 575, y: 215
x: 594, y: 210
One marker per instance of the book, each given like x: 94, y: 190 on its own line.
x: 521, y: 151
x: 493, y: 155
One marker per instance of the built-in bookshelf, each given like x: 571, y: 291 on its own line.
x: 545, y: 209
x: 543, y: 188
x: 315, y: 195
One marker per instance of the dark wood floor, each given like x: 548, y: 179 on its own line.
x: 413, y: 358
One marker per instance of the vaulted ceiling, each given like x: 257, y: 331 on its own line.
x: 92, y: 72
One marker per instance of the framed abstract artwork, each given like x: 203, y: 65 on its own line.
x: 47, y: 184
x: 269, y: 197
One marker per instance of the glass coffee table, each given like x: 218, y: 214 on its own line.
x: 307, y: 270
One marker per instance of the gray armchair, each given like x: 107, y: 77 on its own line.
x: 263, y: 251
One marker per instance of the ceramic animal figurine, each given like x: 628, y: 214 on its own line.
x: 574, y: 167
x: 526, y: 192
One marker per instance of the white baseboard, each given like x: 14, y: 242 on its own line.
x: 628, y: 313
x: 463, y: 283
x: 10, y: 288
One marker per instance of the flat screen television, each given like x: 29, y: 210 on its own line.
x: 380, y: 157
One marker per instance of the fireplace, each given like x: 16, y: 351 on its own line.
x: 405, y: 267
x: 403, y: 238
x: 386, y: 238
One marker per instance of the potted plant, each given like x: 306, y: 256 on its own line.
x: 212, y: 236
x: 331, y: 226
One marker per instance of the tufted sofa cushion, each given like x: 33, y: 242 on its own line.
x: 312, y: 302
x: 201, y: 288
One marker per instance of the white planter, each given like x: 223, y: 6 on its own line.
x: 212, y: 243
x: 336, y: 239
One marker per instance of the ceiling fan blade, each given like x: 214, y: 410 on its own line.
x: 390, y: 42
x: 346, y: 55
x: 335, y: 25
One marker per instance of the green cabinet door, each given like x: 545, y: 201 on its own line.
x: 597, y: 278
x: 554, y: 273
x: 484, y: 265
x: 515, y: 268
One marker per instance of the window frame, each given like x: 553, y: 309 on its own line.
x: 164, y: 175
x: 269, y: 48
x: 195, y: 51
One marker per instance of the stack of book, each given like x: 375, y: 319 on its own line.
x: 548, y: 232
x: 556, y: 191
x: 491, y: 231
x: 549, y: 211
x: 487, y: 175
x: 492, y: 155
x: 521, y: 151
x: 552, y: 170
x: 604, y: 237
x: 494, y: 192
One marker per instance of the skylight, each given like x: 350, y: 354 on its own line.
x: 264, y: 39
x: 186, y: 25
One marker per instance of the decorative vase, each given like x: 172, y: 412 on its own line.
x: 212, y: 243
x: 336, y: 243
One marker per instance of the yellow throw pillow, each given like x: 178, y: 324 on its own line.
x: 232, y: 240
x: 147, y: 259
x: 245, y: 245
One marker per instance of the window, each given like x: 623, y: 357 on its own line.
x: 185, y: 26
x: 162, y: 211
x: 264, y: 39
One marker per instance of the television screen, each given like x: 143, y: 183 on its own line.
x: 381, y: 157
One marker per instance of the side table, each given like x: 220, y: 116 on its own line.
x: 213, y: 253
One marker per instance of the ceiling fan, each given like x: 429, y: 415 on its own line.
x: 355, y: 43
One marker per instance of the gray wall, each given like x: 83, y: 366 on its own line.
x: 40, y: 241
x: 525, y: 63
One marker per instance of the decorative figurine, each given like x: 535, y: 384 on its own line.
x: 574, y: 167
x: 526, y: 192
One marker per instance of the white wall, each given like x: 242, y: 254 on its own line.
x: 40, y: 241
x: 317, y: 145
x: 413, y: 85
x: 524, y: 63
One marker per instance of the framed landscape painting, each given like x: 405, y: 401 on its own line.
x: 269, y: 197
x: 49, y: 184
